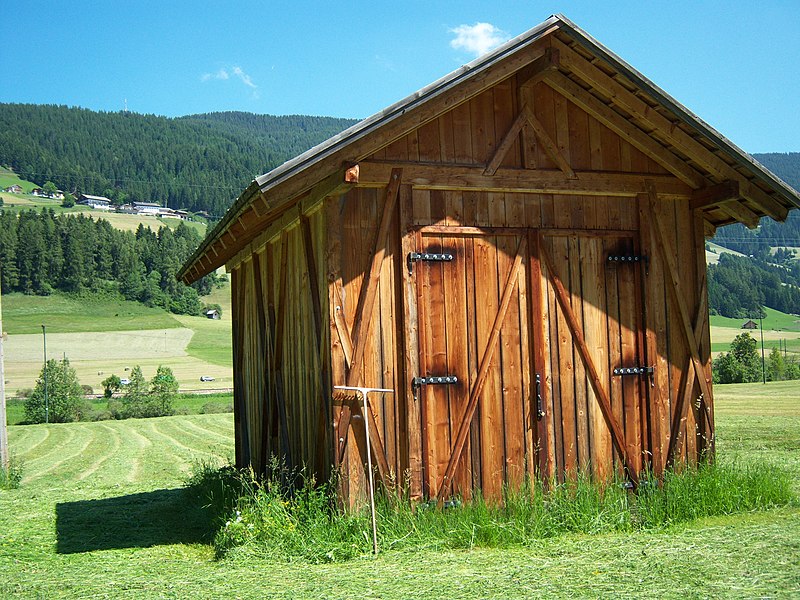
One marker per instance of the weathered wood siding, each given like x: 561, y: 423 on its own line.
x: 281, y: 351
x: 438, y: 319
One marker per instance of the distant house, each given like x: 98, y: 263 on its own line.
x: 57, y: 195
x: 147, y: 208
x: 211, y: 313
x: 750, y: 324
x: 13, y: 189
x: 96, y: 202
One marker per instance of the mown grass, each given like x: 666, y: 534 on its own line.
x: 102, y: 512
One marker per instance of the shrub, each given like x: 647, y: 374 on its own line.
x: 11, y: 478
x: 87, y: 390
x: 57, y: 395
x: 210, y: 408
x: 157, y: 401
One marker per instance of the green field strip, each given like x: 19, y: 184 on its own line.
x: 189, y: 431
x: 132, y: 452
x: 103, y: 457
x: 59, y: 436
x: 221, y: 423
x: 204, y: 432
x: 193, y: 442
x: 183, y: 456
x: 64, y: 460
x: 24, y: 438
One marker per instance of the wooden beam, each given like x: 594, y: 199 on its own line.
x: 483, y: 371
x: 625, y: 129
x: 715, y: 194
x: 436, y: 176
x: 740, y: 212
x: 550, y: 147
x: 646, y: 114
x: 664, y: 247
x: 601, y: 395
x: 505, y: 144
x: 533, y: 73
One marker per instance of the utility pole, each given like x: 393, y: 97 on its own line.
x: 46, y: 402
x: 761, y: 327
x: 4, y: 458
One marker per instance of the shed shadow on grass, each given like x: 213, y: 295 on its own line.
x: 160, y: 517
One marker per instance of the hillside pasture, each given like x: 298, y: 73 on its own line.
x: 102, y: 513
x: 96, y: 355
x: 101, y: 337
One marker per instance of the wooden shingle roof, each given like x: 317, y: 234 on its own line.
x: 729, y: 185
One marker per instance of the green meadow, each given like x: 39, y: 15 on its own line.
x: 103, y: 512
x: 101, y: 337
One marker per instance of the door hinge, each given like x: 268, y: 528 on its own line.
x: 634, y: 371
x: 638, y: 371
x: 434, y: 380
x: 427, y: 256
x: 629, y: 259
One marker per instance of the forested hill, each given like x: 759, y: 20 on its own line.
x: 198, y: 162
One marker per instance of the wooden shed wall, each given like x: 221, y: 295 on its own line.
x: 282, y: 388
x: 626, y: 316
x: 530, y: 291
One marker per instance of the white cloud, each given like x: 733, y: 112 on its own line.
x: 224, y: 74
x: 221, y: 74
x: 244, y: 77
x: 477, y: 39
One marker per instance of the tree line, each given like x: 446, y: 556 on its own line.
x: 744, y: 365
x: 738, y: 286
x: 42, y: 252
x: 59, y: 397
x: 198, y: 162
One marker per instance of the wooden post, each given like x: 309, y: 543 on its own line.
x: 4, y: 458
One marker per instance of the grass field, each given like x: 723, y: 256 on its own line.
x: 101, y: 513
x: 777, y: 326
x: 101, y: 337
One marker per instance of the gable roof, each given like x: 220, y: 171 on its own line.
x: 730, y: 185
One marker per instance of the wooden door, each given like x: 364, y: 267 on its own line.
x: 597, y: 372
x: 478, y: 426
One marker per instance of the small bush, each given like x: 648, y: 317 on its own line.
x: 116, y: 408
x: 12, y: 478
x: 24, y: 393
x: 87, y: 390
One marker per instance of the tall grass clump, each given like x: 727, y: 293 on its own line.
x: 11, y: 477
x: 292, y: 517
x: 713, y: 489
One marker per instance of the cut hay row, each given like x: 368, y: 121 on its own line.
x: 110, y: 452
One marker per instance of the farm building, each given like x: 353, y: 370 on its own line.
x: 516, y: 250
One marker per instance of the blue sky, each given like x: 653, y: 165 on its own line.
x: 736, y: 64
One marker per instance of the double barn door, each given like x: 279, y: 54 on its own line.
x: 521, y: 338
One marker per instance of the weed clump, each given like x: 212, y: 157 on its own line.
x: 11, y: 478
x: 290, y: 516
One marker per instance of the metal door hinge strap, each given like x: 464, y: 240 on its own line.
x: 539, y: 403
x: 427, y: 256
x: 629, y: 259
x: 434, y: 380
x: 634, y: 370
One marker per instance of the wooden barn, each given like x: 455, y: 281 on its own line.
x: 516, y: 250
